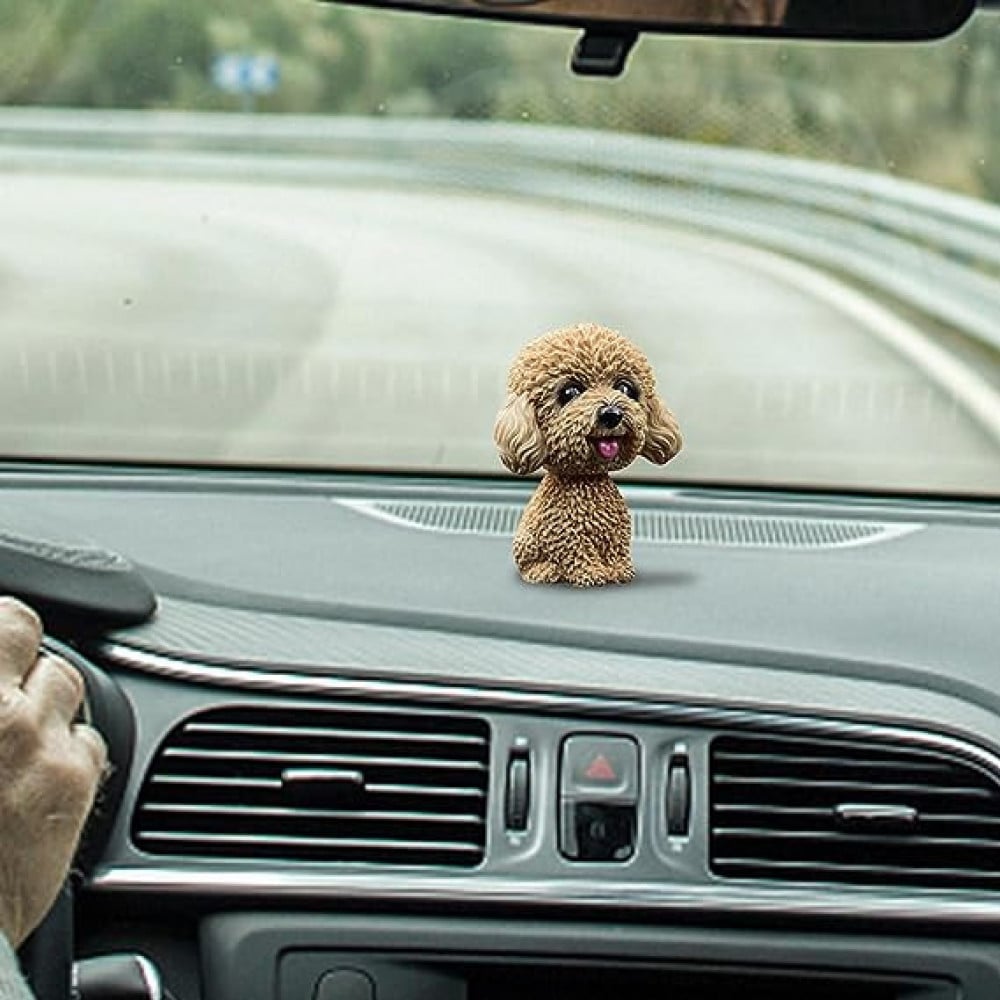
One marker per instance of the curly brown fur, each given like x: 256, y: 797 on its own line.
x: 576, y: 528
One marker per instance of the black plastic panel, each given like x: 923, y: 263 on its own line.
x: 282, y: 956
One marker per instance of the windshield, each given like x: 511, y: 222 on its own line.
x: 277, y: 233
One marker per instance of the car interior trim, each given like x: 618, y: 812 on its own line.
x: 600, y: 891
x: 918, y: 906
x: 464, y: 697
x: 657, y: 527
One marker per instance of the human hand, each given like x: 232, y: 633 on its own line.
x: 49, y: 771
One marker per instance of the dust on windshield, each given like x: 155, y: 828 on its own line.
x: 279, y: 233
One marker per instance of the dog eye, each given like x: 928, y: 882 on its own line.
x: 627, y: 388
x: 569, y: 392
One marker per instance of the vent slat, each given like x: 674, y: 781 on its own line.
x: 818, y: 871
x: 331, y: 733
x: 214, y: 780
x: 827, y: 810
x: 853, y: 839
x: 286, y: 812
x: 783, y: 762
x: 804, y: 817
x: 444, y: 791
x: 780, y: 747
x: 326, y: 759
x: 821, y: 812
x: 852, y: 787
x: 415, y: 791
x: 268, y: 840
x: 275, y: 784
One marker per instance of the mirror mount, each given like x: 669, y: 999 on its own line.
x: 602, y: 51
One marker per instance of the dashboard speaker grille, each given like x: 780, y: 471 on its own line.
x: 666, y: 527
x: 862, y: 813
x: 334, y: 784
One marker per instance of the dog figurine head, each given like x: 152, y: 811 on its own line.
x: 582, y: 402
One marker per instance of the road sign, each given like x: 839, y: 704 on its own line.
x: 245, y: 73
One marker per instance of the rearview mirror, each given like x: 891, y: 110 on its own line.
x: 827, y: 19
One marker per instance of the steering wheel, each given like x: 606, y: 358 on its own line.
x: 47, y: 956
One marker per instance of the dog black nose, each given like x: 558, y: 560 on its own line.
x: 609, y: 416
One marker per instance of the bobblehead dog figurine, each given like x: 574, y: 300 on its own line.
x: 582, y: 403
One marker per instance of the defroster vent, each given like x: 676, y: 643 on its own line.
x: 334, y: 784
x: 852, y: 812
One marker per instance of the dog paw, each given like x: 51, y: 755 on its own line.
x: 541, y: 572
x: 605, y: 577
x: 549, y: 572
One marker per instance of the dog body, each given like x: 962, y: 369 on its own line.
x: 582, y: 403
x: 589, y: 543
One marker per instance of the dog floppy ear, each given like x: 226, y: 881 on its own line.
x: 663, y: 436
x: 518, y: 436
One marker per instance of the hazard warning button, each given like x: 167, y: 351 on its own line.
x: 600, y: 767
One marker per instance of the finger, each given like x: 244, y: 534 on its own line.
x: 91, y: 746
x: 54, y: 686
x: 20, y: 640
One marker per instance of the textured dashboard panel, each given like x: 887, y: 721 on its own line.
x: 668, y: 527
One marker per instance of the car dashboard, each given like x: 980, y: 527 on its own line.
x: 364, y: 760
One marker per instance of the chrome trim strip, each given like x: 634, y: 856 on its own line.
x: 151, y: 977
x: 286, y: 681
x: 812, y: 901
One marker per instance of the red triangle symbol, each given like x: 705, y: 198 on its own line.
x: 600, y: 769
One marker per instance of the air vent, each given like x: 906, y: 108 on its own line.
x: 664, y: 527
x: 351, y: 785
x: 852, y: 812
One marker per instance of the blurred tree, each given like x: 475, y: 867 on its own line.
x: 462, y: 65
x: 341, y: 52
x: 35, y: 36
x: 142, y: 48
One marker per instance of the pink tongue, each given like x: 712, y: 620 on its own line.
x: 608, y: 448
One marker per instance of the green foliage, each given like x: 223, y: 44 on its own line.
x: 929, y: 112
x: 459, y: 65
x: 340, y: 50
x: 141, y: 52
x: 35, y: 38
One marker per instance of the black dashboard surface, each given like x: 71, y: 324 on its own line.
x: 297, y: 570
